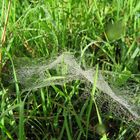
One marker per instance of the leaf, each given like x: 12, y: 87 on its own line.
x: 123, y: 77
x: 115, y: 31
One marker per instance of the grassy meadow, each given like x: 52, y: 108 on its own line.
x: 100, y: 34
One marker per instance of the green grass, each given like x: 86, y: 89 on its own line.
x: 99, y: 33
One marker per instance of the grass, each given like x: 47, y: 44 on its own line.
x: 105, y: 34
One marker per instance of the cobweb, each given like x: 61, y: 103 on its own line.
x: 38, y: 73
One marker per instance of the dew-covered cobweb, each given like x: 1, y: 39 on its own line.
x: 37, y: 73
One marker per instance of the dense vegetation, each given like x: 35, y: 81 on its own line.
x: 104, y: 34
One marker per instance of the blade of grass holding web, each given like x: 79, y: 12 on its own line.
x: 88, y: 117
x: 92, y: 100
x: 21, y: 104
x: 104, y: 136
x: 15, y: 77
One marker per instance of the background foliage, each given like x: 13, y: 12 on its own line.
x: 103, y: 32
